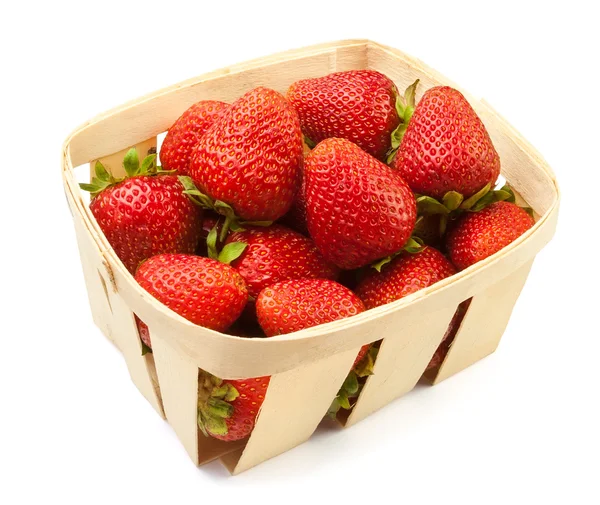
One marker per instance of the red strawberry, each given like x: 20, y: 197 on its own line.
x: 227, y: 409
x: 143, y: 215
x: 478, y: 235
x: 296, y: 217
x: 446, y: 147
x: 288, y: 306
x: 183, y: 136
x: 251, y: 157
x: 358, y: 105
x: 276, y: 254
x: 204, y: 291
x: 404, y: 275
x: 358, y: 209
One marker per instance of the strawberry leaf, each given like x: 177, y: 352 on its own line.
x: 428, y: 206
x: 472, y: 200
x: 231, y: 252
x: 452, y: 200
x: 309, y: 142
x: 350, y: 385
x: 131, y: 162
x: 211, y: 242
x: 101, y: 172
x: 342, y: 399
x: 414, y: 245
x: 148, y: 164
x: 219, y: 408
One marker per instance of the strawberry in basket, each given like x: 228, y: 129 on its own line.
x: 184, y: 135
x: 248, y: 164
x: 477, y: 235
x: 144, y: 214
x: 274, y: 254
x: 358, y: 209
x: 358, y: 105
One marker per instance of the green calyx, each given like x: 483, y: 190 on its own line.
x: 214, y: 404
x: 405, y: 107
x: 309, y: 142
x: 453, y: 203
x: 231, y: 222
x: 131, y: 163
x: 229, y: 252
x: 414, y: 246
x: 350, y: 390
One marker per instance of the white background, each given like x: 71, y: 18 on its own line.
x: 519, y: 427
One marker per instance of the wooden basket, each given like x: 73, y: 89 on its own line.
x: 307, y: 367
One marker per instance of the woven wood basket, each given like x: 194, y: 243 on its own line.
x: 307, y: 367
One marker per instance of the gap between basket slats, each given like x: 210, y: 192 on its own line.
x: 405, y: 352
x: 484, y: 324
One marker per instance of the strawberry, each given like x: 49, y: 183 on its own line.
x: 227, y: 409
x: 145, y: 214
x: 276, y: 254
x: 477, y: 235
x: 358, y: 105
x: 250, y: 159
x: 204, y: 291
x: 404, y: 275
x: 292, y: 305
x: 296, y: 217
x: 358, y: 209
x: 185, y: 133
x: 445, y: 147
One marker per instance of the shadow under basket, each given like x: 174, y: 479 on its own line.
x: 307, y: 367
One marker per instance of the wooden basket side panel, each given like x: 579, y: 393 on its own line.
x: 295, y: 403
x: 96, y: 284
x: 114, y: 318
x: 403, y: 356
x: 153, y: 115
x: 484, y: 324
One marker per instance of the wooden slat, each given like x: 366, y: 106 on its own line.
x: 483, y: 324
x: 404, y: 354
x: 294, y: 405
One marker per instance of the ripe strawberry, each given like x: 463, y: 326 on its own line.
x: 185, y: 133
x: 204, y: 291
x: 227, y: 409
x: 296, y: 217
x: 358, y: 209
x: 143, y: 215
x: 478, y: 235
x: 404, y: 275
x: 446, y: 147
x: 292, y: 305
x: 251, y: 157
x: 358, y: 105
x: 276, y: 254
